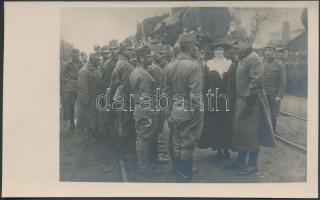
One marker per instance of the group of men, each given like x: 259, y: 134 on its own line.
x: 159, y: 134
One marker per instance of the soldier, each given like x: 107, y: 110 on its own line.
x: 183, y: 85
x: 275, y: 80
x: 156, y: 71
x: 252, y: 125
x: 84, y: 58
x: 105, y: 53
x: 88, y: 90
x: 145, y: 116
x: 120, y: 90
x: 69, y: 77
x: 106, y: 71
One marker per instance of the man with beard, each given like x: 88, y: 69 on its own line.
x: 88, y: 90
x: 145, y: 115
x: 69, y: 78
x: 252, y: 125
x: 120, y: 93
x: 275, y: 81
x: 183, y: 86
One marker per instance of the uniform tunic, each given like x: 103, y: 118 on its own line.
x: 89, y: 85
x: 120, y: 89
x: 183, y: 79
x: 144, y: 114
x: 252, y: 125
x: 69, y: 78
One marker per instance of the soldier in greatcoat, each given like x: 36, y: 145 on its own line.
x: 275, y: 81
x: 252, y: 125
x: 120, y: 93
x: 89, y: 85
x: 161, y: 153
x: 145, y: 114
x: 69, y: 78
x: 183, y: 86
x: 106, y: 117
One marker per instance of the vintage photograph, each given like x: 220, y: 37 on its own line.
x: 183, y: 94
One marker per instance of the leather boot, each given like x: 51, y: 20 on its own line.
x: 185, y: 172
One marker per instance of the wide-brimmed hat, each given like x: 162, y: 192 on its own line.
x: 224, y: 42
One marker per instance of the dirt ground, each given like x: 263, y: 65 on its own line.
x: 83, y: 161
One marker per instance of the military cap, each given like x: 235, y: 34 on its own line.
x: 270, y: 45
x: 126, y: 44
x: 156, y: 47
x: 113, y: 44
x: 94, y: 55
x: 75, y: 52
x: 155, y: 41
x: 187, y: 37
x: 143, y: 51
x: 105, y: 49
x: 240, y: 34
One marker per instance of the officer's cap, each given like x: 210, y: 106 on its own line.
x: 143, y: 51
x: 105, y: 49
x: 75, y: 52
x: 113, y: 44
x: 157, y: 47
x: 187, y: 38
x: 126, y: 44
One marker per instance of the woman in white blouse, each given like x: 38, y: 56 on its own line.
x: 217, y: 127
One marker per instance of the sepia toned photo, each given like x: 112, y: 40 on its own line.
x: 185, y: 99
x: 183, y: 94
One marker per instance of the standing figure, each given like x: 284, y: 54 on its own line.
x: 105, y: 53
x: 69, y: 75
x: 161, y: 151
x: 218, y: 117
x: 84, y: 58
x: 183, y: 86
x: 89, y: 85
x: 145, y: 115
x: 106, y: 117
x: 120, y: 93
x: 275, y: 81
x: 252, y: 125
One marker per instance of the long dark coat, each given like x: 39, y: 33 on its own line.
x: 89, y: 85
x: 120, y: 87
x: 252, y: 125
x: 106, y: 72
x: 217, y: 129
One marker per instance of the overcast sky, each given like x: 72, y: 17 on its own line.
x: 84, y: 27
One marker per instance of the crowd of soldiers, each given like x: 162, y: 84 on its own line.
x: 251, y: 88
